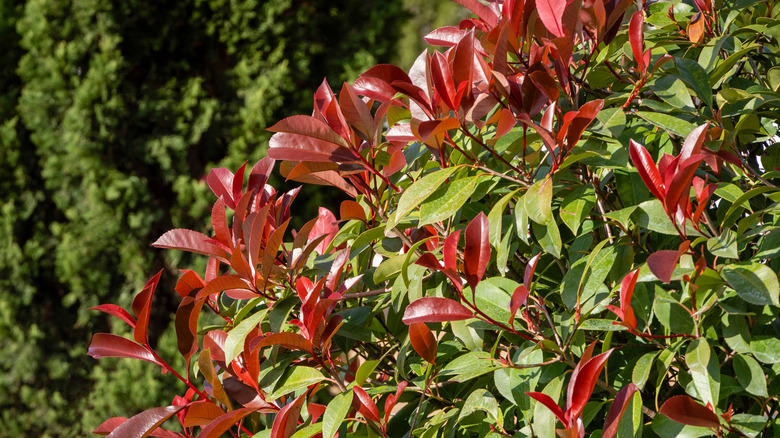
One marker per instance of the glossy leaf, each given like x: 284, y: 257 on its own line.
x: 367, y: 407
x: 435, y: 309
x: 113, y: 309
x: 647, y: 169
x: 336, y: 412
x: 108, y: 345
x: 551, y: 14
x: 548, y: 402
x: 192, y: 241
x: 144, y: 424
x: 286, y: 421
x: 423, y: 341
x: 616, y: 410
x: 476, y: 255
x: 201, y: 413
x: 685, y: 410
x: 583, y: 383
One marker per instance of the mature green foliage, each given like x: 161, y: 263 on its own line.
x: 111, y: 113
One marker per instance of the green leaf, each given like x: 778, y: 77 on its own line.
x: 766, y: 349
x: 538, y: 201
x: 365, y: 370
x: 665, y: 427
x: 601, y: 325
x: 521, y: 221
x: 754, y: 283
x: 447, y: 200
x: 234, y: 343
x: 614, y: 119
x: 642, y: 369
x: 493, y: 296
x: 750, y: 425
x: 416, y: 194
x: 335, y: 413
x: 576, y: 206
x: 544, y: 419
x: 674, y: 125
x: 750, y: 375
x: 696, y: 78
x: 307, y: 432
x: 468, y: 366
x: 674, y: 92
x: 724, y: 245
x: 705, y: 370
x: 513, y: 383
x: 588, y: 283
x: 651, y: 215
x: 495, y: 218
x: 549, y: 237
x: 482, y: 400
x: 736, y: 332
x: 389, y: 268
x: 671, y: 314
x: 298, y: 377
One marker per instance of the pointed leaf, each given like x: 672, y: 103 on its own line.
x: 619, y: 405
x: 551, y: 14
x: 547, y: 401
x: 435, y: 309
x: 298, y: 147
x: 686, y: 410
x: 662, y: 264
x: 335, y: 413
x: 477, y: 252
x: 291, y: 341
x: 220, y: 180
x: 224, y: 422
x: 113, y: 309
x: 200, y: 413
x: 483, y: 12
x: 143, y: 424
x: 108, y: 345
x: 647, y: 169
x: 193, y: 241
x: 584, y: 382
x: 367, y: 407
x: 636, y: 37
x: 286, y: 420
x: 423, y: 341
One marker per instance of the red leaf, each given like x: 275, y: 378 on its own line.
x: 529, y: 270
x: 356, y: 113
x: 214, y: 341
x: 477, y: 252
x: 186, y: 324
x: 388, y: 73
x: 581, y: 120
x: 271, y: 248
x: 551, y: 14
x: 679, y: 189
x: 108, y: 345
x: 400, y: 133
x: 483, y: 12
x: 519, y: 298
x: 583, y: 382
x: 616, y: 410
x: 442, y: 80
x: 298, y: 147
x: 143, y: 424
x: 393, y: 399
x: 450, y: 251
x: 374, y: 88
x: 686, y: 410
x: 142, y: 306
x: 351, y: 210
x: 222, y: 283
x: 221, y: 424
x: 201, y: 412
x: 463, y: 61
x: 626, y: 292
x: 238, y: 182
x: 397, y: 162
x: 309, y: 126
x: 647, y: 169
x: 423, y: 341
x: 109, y: 425
x: 416, y: 94
x: 662, y: 264
x: 221, y: 182
x: 447, y: 36
x: 258, y: 176
x: 113, y: 309
x: 430, y: 128
x: 193, y: 241
x: 291, y: 341
x: 636, y: 37
x: 326, y: 224
x: 189, y: 281
x: 366, y: 406
x: 435, y: 309
x: 549, y: 403
x: 219, y: 223
x: 286, y: 420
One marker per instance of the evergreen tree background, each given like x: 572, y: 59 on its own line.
x: 111, y: 114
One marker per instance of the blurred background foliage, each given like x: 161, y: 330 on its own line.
x: 111, y: 113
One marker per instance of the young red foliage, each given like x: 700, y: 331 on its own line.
x: 686, y: 410
x: 423, y: 341
x: 435, y: 309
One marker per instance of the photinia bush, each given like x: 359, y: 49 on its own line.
x: 561, y: 194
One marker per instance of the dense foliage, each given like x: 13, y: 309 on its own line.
x: 573, y: 195
x: 110, y: 115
